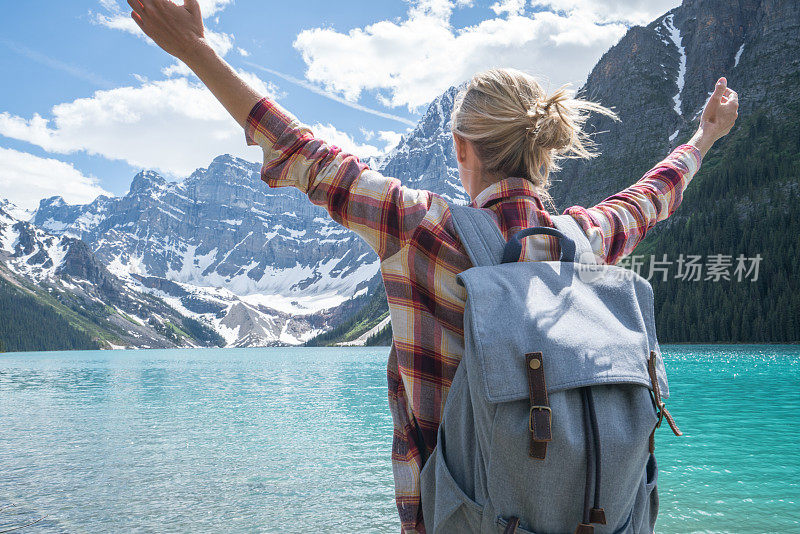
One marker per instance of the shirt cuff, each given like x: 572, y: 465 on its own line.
x: 690, y: 151
x: 277, y: 131
x: 686, y: 159
x: 266, y: 122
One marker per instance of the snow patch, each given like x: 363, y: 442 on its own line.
x: 361, y: 340
x: 296, y: 305
x: 738, y: 56
x: 57, y: 254
x: 20, y: 214
x: 123, y: 268
x: 230, y: 335
x: 52, y: 225
x: 286, y: 337
x: 8, y: 236
x: 675, y: 37
x: 87, y: 221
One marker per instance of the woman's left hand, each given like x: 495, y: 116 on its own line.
x: 177, y: 29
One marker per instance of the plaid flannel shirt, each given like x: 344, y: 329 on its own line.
x: 413, y: 234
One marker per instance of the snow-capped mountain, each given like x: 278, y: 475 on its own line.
x: 425, y: 158
x: 258, y: 264
x: 61, y: 273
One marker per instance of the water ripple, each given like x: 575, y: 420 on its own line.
x: 244, y: 440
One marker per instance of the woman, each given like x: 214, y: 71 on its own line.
x: 508, y: 135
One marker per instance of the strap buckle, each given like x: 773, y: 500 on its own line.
x: 542, y: 408
x: 660, y: 407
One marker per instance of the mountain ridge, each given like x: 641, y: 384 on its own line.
x: 262, y: 266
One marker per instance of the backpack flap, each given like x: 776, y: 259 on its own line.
x: 594, y: 325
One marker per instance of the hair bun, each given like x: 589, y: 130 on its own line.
x: 550, y: 126
x: 517, y: 129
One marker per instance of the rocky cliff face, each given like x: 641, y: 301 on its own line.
x: 658, y: 77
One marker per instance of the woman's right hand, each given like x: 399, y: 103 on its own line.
x: 178, y: 29
x: 719, y: 116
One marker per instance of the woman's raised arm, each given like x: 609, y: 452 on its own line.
x: 617, y: 224
x: 179, y: 31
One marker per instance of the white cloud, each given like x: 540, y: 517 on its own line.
x: 222, y: 43
x: 178, y: 68
x: 368, y: 134
x: 243, y: 52
x: 436, y: 8
x: 514, y: 7
x: 25, y: 179
x: 116, y: 8
x: 211, y: 7
x: 345, y: 141
x: 410, y: 62
x: 627, y: 11
x: 116, y: 18
x: 173, y: 125
x: 390, y: 138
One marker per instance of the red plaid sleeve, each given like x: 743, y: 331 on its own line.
x: 617, y: 224
x: 376, y: 207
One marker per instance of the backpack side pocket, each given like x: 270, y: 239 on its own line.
x: 445, y: 506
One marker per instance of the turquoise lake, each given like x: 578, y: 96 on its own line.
x: 299, y: 439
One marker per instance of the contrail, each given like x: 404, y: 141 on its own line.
x: 70, y: 69
x: 313, y: 88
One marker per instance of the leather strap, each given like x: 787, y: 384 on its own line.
x: 539, y: 419
x: 511, y: 527
x: 662, y: 410
x: 583, y: 528
x: 597, y: 515
x: 591, y: 457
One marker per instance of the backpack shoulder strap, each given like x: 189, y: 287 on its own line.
x: 479, y: 233
x: 568, y: 226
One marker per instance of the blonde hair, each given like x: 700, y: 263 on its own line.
x: 519, y: 130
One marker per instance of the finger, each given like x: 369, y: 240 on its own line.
x: 192, y: 6
x: 137, y: 19
x: 731, y: 96
x: 160, y: 4
x: 137, y: 7
x: 719, y: 90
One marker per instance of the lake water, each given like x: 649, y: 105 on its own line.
x: 299, y: 439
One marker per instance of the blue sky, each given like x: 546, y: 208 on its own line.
x: 86, y: 101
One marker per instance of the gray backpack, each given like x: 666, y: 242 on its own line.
x: 548, y: 424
